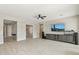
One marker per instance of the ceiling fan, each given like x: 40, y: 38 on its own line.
x: 39, y: 16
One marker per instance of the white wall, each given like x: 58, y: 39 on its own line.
x: 70, y: 23
x: 21, y: 34
x: 21, y: 28
x: 1, y: 30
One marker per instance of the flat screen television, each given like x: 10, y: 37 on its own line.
x: 58, y: 27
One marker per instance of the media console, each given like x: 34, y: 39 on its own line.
x: 70, y: 37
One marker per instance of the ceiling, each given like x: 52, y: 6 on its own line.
x: 28, y: 11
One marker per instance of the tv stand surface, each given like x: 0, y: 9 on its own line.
x: 68, y: 37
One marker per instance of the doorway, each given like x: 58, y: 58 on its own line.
x: 10, y: 31
x: 41, y: 32
x: 29, y: 31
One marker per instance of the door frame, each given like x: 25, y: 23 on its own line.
x: 6, y: 29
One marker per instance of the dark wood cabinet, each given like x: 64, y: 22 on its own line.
x: 70, y: 38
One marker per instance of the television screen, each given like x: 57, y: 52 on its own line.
x: 58, y: 27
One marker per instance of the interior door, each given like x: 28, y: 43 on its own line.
x: 29, y: 31
x: 41, y: 30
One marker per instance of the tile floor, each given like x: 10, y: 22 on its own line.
x: 38, y: 47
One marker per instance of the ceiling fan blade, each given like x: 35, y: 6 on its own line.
x: 44, y: 16
x: 39, y: 15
